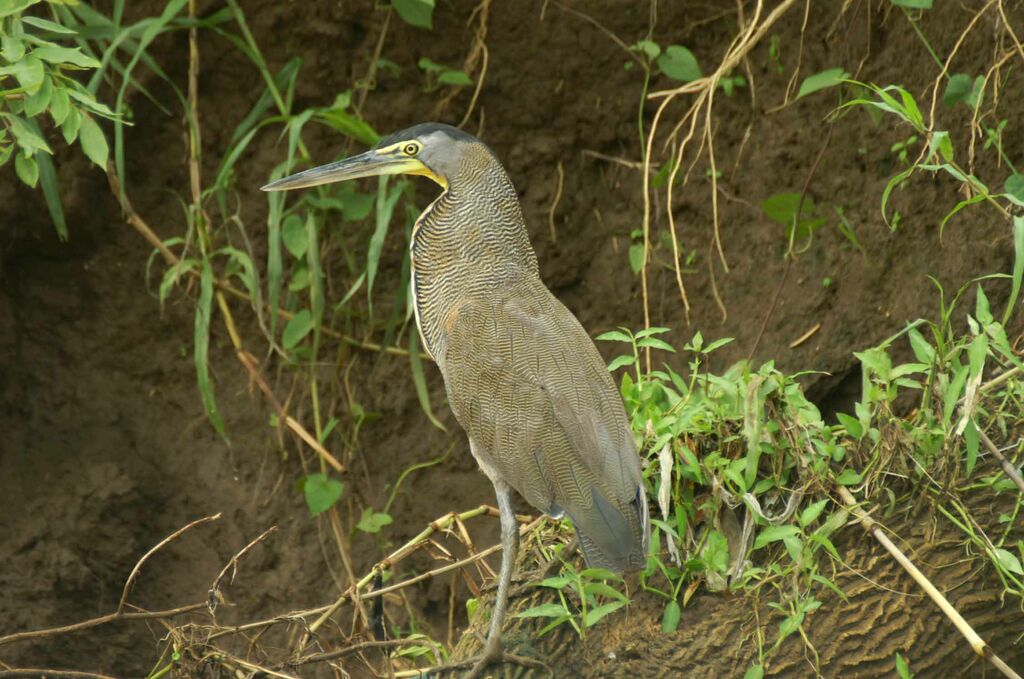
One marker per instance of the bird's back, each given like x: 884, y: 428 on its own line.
x: 528, y: 385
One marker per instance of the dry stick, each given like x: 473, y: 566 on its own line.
x: 977, y: 643
x: 479, y: 48
x: 214, y: 593
x: 1008, y: 467
x: 554, y: 203
x: 354, y: 648
x: 101, y: 620
x: 138, y: 566
x: 249, y: 361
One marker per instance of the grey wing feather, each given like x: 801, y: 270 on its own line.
x: 526, y: 382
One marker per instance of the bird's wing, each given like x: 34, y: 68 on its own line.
x: 526, y: 382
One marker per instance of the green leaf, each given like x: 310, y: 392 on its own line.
x: 636, y: 257
x: 957, y: 89
x: 971, y: 443
x: 94, y: 144
x: 655, y: 343
x: 47, y: 25
x: 454, y: 78
x: 298, y: 327
x: 774, y: 534
x: 321, y: 492
x: 59, y: 105
x: 36, y: 103
x: 202, y: 346
x: 615, y: 336
x: 594, y: 615
x: 679, y: 63
x: 654, y: 330
x: 372, y: 522
x: 811, y: 512
x: 620, y: 361
x: 670, y: 618
x: 848, y: 478
x: 56, y: 54
x: 913, y: 4
x: 26, y: 134
x: 902, y: 668
x: 69, y: 128
x: 648, y: 48
x: 51, y: 192
x: 1007, y: 561
x: 26, y: 169
x: 29, y: 72
x: 543, y: 611
x: 1014, y: 188
x: 11, y: 48
x: 1018, y: 266
x: 716, y: 553
x: 295, y: 236
x: 754, y: 672
x: 852, y: 425
x: 821, y: 81
x: 415, y: 12
x: 781, y: 207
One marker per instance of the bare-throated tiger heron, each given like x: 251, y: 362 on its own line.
x: 523, y: 378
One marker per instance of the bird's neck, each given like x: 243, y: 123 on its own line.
x: 467, y: 246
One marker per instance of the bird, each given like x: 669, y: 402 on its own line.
x: 523, y: 378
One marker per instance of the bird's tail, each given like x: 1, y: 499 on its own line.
x: 614, y: 537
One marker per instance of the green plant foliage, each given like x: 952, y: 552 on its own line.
x: 321, y: 492
x: 821, y: 81
x: 419, y: 13
x: 961, y: 88
x: 372, y: 522
x: 37, y: 76
x: 912, y: 4
x: 678, y: 63
x: 439, y: 74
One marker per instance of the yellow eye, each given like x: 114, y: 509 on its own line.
x: 411, y: 149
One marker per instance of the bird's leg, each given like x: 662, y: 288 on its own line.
x: 509, y: 548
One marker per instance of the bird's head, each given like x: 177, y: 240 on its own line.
x: 433, y: 150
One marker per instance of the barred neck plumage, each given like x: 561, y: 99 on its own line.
x: 468, y: 245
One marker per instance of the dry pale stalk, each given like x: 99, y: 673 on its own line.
x: 977, y: 643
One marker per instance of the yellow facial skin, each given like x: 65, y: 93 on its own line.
x: 399, y: 158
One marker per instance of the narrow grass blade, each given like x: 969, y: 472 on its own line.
x: 1018, y: 267
x: 202, y: 346
x: 420, y: 380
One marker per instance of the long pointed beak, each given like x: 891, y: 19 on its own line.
x: 369, y: 164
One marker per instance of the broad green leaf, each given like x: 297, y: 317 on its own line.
x: 59, y: 105
x: 454, y: 78
x: 782, y: 207
x: 648, y: 48
x: 848, y: 478
x: 1014, y: 188
x: 620, y: 361
x: 774, y: 534
x: 47, y: 25
x: 26, y: 169
x: 12, y: 48
x: 69, y: 128
x: 321, y: 492
x: 8, y: 7
x: 416, y: 12
x: 65, y: 55
x: 852, y: 425
x: 636, y: 257
x: 754, y: 672
x: 655, y: 343
x: 295, y: 236
x: 594, y: 615
x: 670, y: 618
x: 647, y: 332
x: 957, y: 89
x: 821, y: 81
x: 811, y: 512
x: 615, y: 336
x: 902, y: 668
x: 94, y: 144
x: 28, y: 71
x: 679, y: 63
x: 298, y: 327
x: 37, y: 102
x: 1008, y: 561
x: 51, y: 192
x: 716, y: 552
x: 372, y: 522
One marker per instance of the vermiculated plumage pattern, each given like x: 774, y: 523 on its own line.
x: 523, y: 378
